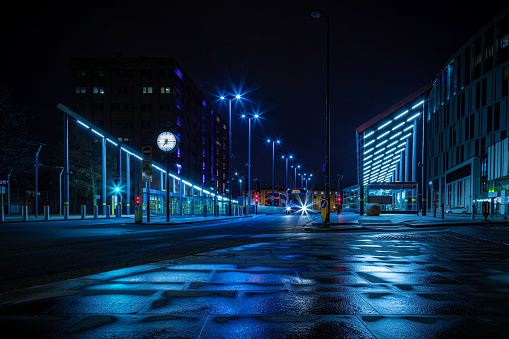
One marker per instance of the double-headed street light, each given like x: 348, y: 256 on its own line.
x: 230, y: 183
x: 316, y: 14
x: 255, y: 116
x: 273, y: 143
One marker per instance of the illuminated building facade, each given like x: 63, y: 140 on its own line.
x: 467, y: 120
x: 449, y: 137
x: 389, y: 150
x: 135, y: 99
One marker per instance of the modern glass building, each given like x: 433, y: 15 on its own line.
x: 467, y: 120
x: 389, y: 149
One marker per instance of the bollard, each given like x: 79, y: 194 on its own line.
x: 443, y: 211
x: 66, y: 212
x: 216, y: 210
x: 108, y: 211
x: 204, y: 210
x: 434, y: 210
x: 3, y: 216
x: 485, y: 210
x: 473, y: 211
x: 46, y: 212
x: 83, y: 211
x: 138, y: 213
x: 96, y: 211
x: 24, y: 213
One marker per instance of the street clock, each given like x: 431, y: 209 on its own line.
x: 167, y: 142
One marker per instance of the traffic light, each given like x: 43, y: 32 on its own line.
x: 227, y: 186
x: 138, y: 200
x: 256, y: 199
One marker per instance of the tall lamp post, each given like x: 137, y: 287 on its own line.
x: 256, y: 116
x: 60, y: 188
x: 230, y: 183
x: 273, y: 143
x: 37, y: 165
x: 286, y: 176
x: 296, y: 166
x: 318, y: 14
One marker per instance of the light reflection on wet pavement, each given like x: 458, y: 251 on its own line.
x: 360, y: 285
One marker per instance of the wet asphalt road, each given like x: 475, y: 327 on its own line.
x: 385, y: 281
x: 43, y: 252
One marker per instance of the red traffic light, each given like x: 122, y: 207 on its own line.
x: 137, y: 200
x: 256, y: 198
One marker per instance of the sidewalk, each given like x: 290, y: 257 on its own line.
x: 349, y: 220
x: 336, y: 285
x: 129, y: 218
x: 343, y: 219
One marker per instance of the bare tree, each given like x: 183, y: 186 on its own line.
x: 15, y: 143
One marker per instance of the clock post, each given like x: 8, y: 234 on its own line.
x: 167, y: 187
x: 167, y: 142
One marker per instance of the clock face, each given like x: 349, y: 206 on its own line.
x: 167, y: 141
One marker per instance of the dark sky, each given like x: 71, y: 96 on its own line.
x: 381, y: 51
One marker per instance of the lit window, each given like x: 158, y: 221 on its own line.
x: 147, y: 90
x: 165, y: 90
x: 99, y: 90
x: 80, y: 90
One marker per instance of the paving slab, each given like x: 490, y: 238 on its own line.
x: 408, y: 284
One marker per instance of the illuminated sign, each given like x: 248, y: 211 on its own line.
x: 298, y: 191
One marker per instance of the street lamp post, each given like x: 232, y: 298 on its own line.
x: 318, y: 14
x: 60, y: 188
x: 273, y: 143
x: 230, y: 183
x: 37, y: 165
x: 286, y: 176
x: 295, y: 182
x: 249, y: 163
x: 9, y: 192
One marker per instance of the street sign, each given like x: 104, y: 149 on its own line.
x: 147, y: 154
x: 146, y: 172
x: 325, y: 209
x: 146, y: 164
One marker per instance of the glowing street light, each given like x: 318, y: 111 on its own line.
x: 255, y: 116
x: 230, y: 183
x: 295, y: 182
x: 317, y: 14
x: 273, y: 143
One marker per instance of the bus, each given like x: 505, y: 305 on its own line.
x: 279, y: 199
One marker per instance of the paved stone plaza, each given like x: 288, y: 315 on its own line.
x: 438, y: 283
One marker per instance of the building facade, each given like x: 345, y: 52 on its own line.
x: 389, y: 150
x: 467, y: 122
x: 135, y: 99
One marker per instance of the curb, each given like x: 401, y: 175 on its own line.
x: 186, y: 222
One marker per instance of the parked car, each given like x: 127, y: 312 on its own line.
x: 459, y: 210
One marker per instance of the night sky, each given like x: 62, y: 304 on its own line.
x: 272, y: 51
